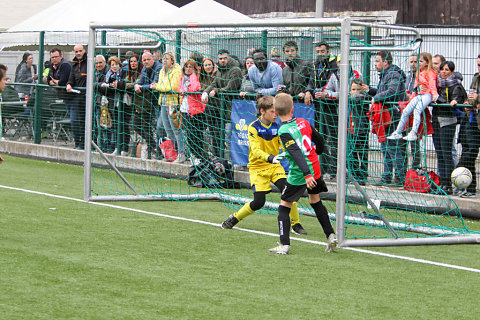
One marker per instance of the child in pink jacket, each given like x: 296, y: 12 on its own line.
x: 426, y: 92
x: 192, y: 109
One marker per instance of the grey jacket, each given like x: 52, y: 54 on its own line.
x: 25, y: 76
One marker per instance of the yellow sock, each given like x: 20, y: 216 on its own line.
x: 244, y: 212
x: 294, y: 216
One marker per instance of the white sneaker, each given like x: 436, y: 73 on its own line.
x: 124, y: 153
x: 115, y: 151
x: 144, y: 152
x: 180, y: 158
x: 332, y: 243
x: 280, y: 249
x: 395, y: 136
x: 412, y: 136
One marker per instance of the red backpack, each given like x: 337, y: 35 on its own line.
x: 168, y: 150
x: 419, y: 180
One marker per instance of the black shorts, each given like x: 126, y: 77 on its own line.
x: 292, y: 193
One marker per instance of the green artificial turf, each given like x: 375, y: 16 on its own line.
x: 64, y: 259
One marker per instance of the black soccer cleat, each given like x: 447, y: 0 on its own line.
x: 298, y: 229
x: 230, y: 222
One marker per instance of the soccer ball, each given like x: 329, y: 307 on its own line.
x: 219, y: 168
x: 461, y: 177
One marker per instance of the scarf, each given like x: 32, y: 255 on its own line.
x: 451, y: 81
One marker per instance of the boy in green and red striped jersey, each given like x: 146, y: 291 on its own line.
x: 302, y: 144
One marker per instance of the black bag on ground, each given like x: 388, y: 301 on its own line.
x: 216, y: 173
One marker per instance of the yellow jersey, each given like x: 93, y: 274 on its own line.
x: 263, y: 141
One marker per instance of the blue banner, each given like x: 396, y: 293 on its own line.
x: 245, y: 112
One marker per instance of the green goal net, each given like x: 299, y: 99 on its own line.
x: 158, y: 134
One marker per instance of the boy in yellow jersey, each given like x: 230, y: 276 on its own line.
x: 264, y: 165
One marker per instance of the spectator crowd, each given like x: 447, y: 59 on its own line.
x: 154, y: 97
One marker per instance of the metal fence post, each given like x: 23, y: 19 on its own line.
x: 178, y: 46
x: 37, y: 120
x: 223, y: 119
x: 367, y: 56
x: 265, y: 40
x: 103, y: 41
x: 342, y: 131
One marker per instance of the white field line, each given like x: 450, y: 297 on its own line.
x: 439, y: 264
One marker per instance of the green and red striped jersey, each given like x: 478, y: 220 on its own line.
x: 302, y: 144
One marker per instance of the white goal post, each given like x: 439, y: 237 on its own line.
x: 345, y: 26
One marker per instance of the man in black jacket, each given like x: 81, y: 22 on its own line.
x: 76, y: 104
x: 297, y: 72
x: 227, y: 80
x: 326, y: 111
x: 60, y: 70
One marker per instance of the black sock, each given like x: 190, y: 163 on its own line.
x: 284, y: 224
x: 322, y: 216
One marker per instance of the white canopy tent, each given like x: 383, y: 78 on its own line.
x: 204, y: 11
x: 67, y: 21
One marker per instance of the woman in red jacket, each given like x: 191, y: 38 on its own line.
x: 192, y: 109
x: 425, y: 93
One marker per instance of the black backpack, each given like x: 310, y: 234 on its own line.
x: 216, y: 173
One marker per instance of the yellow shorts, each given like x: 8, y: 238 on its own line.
x: 260, y: 178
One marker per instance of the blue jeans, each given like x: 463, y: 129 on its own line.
x: 443, y: 142
x: 393, y: 157
x: 393, y: 153
x: 175, y: 134
x: 228, y: 135
x: 417, y: 105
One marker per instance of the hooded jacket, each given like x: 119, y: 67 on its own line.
x: 297, y: 74
x: 333, y: 86
x: 391, y: 87
x: 227, y: 80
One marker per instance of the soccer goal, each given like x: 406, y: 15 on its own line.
x: 133, y: 156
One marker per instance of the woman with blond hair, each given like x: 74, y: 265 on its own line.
x: 167, y: 85
x: 425, y: 92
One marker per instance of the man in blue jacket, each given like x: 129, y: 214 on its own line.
x: 390, y: 89
x: 146, y: 113
x: 266, y: 76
